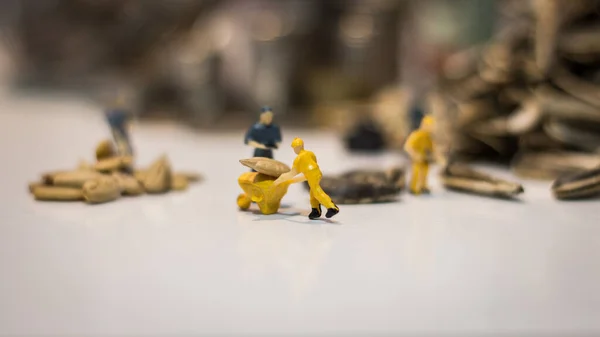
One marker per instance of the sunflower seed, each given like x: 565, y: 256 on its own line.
x: 460, y: 177
x: 586, y: 91
x: 101, y: 190
x: 114, y: 164
x: 270, y: 167
x: 579, y: 137
x: 578, y: 185
x: 74, y: 178
x: 179, y: 182
x: 581, y: 44
x: 550, y: 165
x: 105, y: 149
x: 554, y: 103
x: 128, y: 184
x: 55, y: 193
x: 158, y: 178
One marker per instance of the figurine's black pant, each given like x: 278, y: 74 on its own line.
x: 267, y: 153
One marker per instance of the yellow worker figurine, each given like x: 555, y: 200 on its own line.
x: 306, y: 163
x: 419, y: 146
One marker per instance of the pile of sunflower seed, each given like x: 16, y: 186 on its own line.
x: 109, y: 178
x: 364, y: 186
x: 530, y: 97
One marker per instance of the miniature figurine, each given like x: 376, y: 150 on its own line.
x: 419, y: 146
x: 306, y: 163
x: 118, y: 119
x: 366, y: 136
x: 264, y: 136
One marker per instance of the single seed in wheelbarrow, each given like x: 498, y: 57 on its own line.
x: 578, y: 185
x: 268, y: 166
x: 364, y: 186
x: 460, y: 177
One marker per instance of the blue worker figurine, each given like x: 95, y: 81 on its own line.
x: 118, y: 119
x: 264, y: 136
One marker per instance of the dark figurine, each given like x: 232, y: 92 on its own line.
x: 365, y: 136
x: 264, y: 136
x: 118, y: 119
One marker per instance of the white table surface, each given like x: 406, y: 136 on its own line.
x: 191, y: 264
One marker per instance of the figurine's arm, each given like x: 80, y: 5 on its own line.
x: 256, y: 145
x: 248, y: 140
x: 298, y: 179
x: 410, y: 148
x: 286, y: 176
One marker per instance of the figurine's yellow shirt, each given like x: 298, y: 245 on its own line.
x: 420, y: 141
x: 305, y: 162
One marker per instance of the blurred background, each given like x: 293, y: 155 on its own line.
x: 505, y: 78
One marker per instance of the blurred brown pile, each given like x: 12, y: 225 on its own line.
x: 531, y: 95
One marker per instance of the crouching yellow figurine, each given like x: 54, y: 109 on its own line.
x: 306, y: 163
x: 419, y: 146
x: 258, y: 186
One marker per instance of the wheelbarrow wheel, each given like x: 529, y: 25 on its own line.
x: 243, y: 202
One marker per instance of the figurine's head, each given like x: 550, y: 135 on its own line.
x: 266, y: 115
x: 297, y: 145
x: 427, y: 123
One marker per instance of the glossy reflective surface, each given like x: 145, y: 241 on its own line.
x: 191, y: 263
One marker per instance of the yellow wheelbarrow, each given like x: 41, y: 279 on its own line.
x: 258, y: 186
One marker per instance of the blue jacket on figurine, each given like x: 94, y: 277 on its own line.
x: 267, y: 135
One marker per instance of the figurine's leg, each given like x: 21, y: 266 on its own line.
x: 314, y: 181
x: 315, y: 207
x: 265, y: 153
x: 423, y: 177
x: 414, y: 179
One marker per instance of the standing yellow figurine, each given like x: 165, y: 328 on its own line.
x: 419, y: 146
x: 306, y: 163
